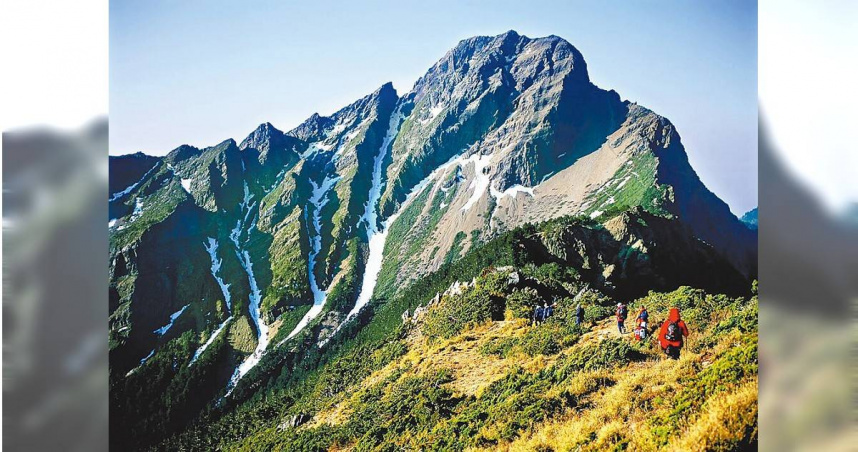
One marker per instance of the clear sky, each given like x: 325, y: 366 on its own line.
x: 199, y: 72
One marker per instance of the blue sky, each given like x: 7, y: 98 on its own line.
x: 198, y: 72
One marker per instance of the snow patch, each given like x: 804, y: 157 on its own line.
x: 173, y: 317
x: 142, y: 361
x: 186, y: 184
x: 546, y: 177
x: 111, y: 223
x: 337, y: 129
x: 433, y: 113
x: 209, y: 342
x: 511, y: 191
x: 146, y: 358
x: 131, y: 187
x: 211, y: 248
x: 596, y: 213
x: 138, y: 211
x: 481, y: 180
x: 317, y: 147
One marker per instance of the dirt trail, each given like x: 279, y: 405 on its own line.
x: 604, y: 329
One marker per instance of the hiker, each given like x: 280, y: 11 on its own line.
x: 642, y: 324
x: 579, y: 315
x: 538, y: 313
x: 643, y: 315
x: 622, y: 313
x: 549, y: 310
x: 672, y: 334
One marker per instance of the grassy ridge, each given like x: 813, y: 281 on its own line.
x: 585, y: 394
x: 381, y: 384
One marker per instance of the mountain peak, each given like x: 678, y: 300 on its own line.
x: 227, y: 143
x: 510, y: 35
x: 508, y: 62
x: 385, y: 90
x: 265, y: 128
x: 263, y: 133
x: 182, y: 152
x: 312, y: 127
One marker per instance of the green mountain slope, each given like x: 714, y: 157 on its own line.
x: 470, y: 371
x: 240, y: 272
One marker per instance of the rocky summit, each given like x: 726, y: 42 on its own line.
x: 240, y: 270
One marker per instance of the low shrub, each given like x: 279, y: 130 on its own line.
x: 458, y: 312
x: 521, y: 302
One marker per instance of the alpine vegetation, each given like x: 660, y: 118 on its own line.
x: 435, y: 269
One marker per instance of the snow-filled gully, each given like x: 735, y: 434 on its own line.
x: 318, y: 199
x: 242, y: 229
x: 378, y: 238
x: 211, y: 248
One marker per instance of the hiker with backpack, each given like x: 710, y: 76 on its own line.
x: 672, y: 334
x: 622, y: 313
x: 579, y: 315
x: 538, y: 314
x: 549, y: 311
x: 641, y: 327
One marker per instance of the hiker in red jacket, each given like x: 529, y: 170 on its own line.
x: 672, y: 334
x: 622, y: 313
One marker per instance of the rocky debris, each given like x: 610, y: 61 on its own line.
x: 456, y: 288
x: 419, y: 312
x: 296, y: 420
x: 513, y: 278
x: 436, y: 299
x: 329, y: 324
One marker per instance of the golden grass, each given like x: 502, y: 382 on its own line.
x: 241, y: 335
x: 620, y: 414
x: 722, y: 422
x: 473, y: 371
x: 615, y: 407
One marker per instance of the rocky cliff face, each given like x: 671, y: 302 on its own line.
x: 524, y: 136
x: 241, y: 249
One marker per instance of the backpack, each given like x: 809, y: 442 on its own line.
x: 622, y: 312
x: 674, y: 333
